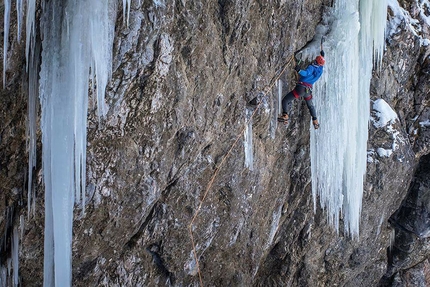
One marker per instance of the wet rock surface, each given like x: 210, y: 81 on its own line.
x: 169, y: 156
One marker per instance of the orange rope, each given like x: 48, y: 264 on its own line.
x: 208, y: 187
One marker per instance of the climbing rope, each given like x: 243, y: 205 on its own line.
x: 208, y: 187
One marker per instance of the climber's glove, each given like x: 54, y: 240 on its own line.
x: 297, y: 68
x: 322, y: 53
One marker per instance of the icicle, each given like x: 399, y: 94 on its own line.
x: 101, y: 43
x: 279, y: 96
x: 379, y: 25
x: 32, y: 123
x: 19, y: 11
x: 6, y: 37
x: 71, y: 48
x: 21, y: 226
x: 249, y: 160
x: 15, y: 256
x: 30, y: 31
x: 392, y: 239
x: 3, y: 276
x: 32, y: 64
x: 126, y: 5
x: 277, y: 99
x: 9, y: 267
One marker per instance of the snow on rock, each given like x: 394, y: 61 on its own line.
x: 370, y: 156
x: 165, y: 57
x: 384, y: 152
x: 384, y: 113
x: 424, y: 7
x: 400, y: 15
x: 425, y: 123
x: 385, y: 117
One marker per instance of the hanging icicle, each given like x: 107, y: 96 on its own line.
x: 249, y: 150
x: 68, y: 57
x: 7, y: 4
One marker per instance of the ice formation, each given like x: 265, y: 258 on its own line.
x: 19, y: 11
x: 126, y: 5
x: 354, y: 40
x: 279, y: 96
x: 249, y: 157
x: 15, y: 254
x: 6, y: 37
x: 72, y: 48
x: 32, y: 64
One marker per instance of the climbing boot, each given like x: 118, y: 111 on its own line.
x: 316, y: 124
x: 283, y: 118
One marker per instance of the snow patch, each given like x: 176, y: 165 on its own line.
x: 424, y: 7
x: 384, y: 113
x: 385, y: 117
x: 384, y: 152
x: 159, y: 3
x: 397, y: 137
x: 425, y: 123
x: 370, y: 156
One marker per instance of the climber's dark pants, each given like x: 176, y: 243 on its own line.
x: 299, y: 91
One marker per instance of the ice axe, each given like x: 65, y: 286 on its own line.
x: 322, y: 50
x: 298, y: 57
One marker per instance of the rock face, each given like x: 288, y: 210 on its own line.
x: 165, y: 169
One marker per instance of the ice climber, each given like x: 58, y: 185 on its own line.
x: 303, y: 89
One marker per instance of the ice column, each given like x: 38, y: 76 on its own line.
x: 19, y: 11
x: 277, y: 110
x: 77, y: 38
x: 6, y: 37
x: 126, y: 4
x: 15, y: 255
x: 338, y: 148
x: 279, y: 96
x: 30, y: 30
x: 32, y: 123
x: 249, y: 157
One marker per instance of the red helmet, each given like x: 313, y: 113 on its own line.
x: 320, y: 60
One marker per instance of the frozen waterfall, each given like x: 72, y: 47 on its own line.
x: 355, y: 39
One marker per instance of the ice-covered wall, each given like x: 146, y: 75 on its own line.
x: 355, y: 37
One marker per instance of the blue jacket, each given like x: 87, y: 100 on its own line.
x: 312, y: 73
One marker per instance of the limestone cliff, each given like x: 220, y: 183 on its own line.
x: 169, y: 155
